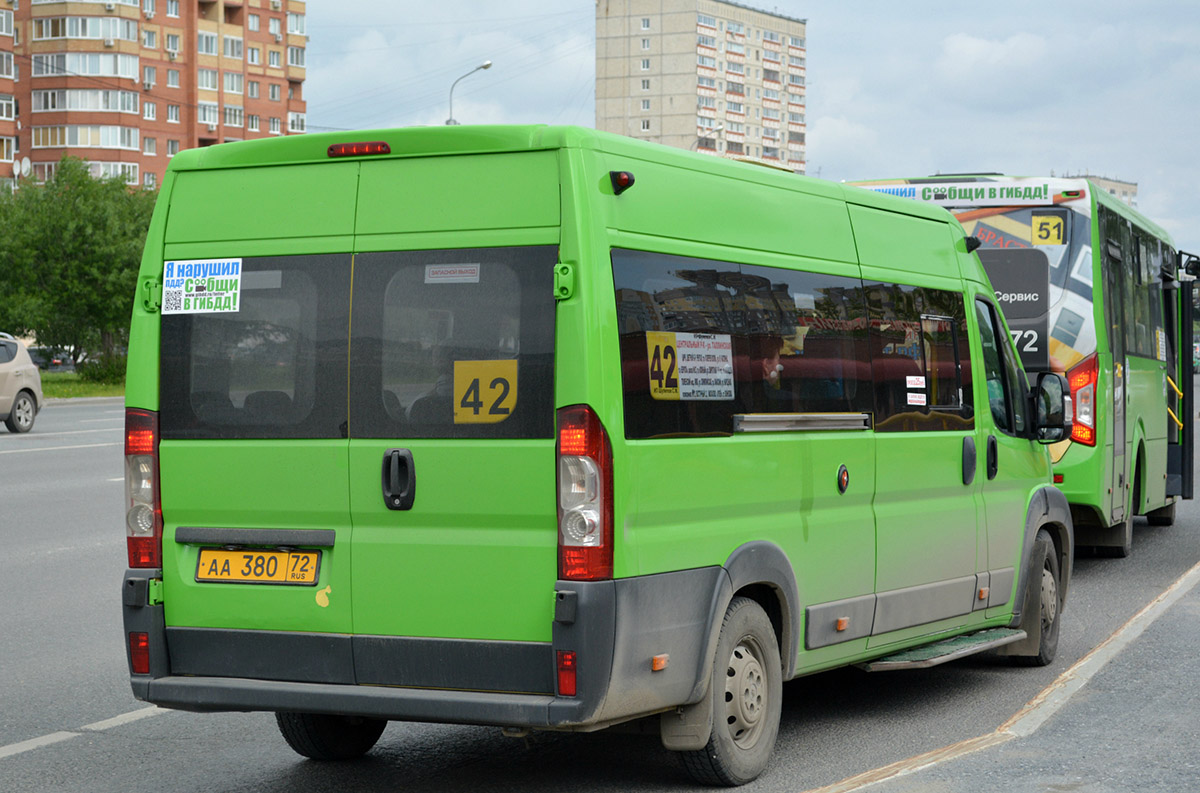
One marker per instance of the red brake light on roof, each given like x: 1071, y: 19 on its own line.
x: 359, y: 149
x: 621, y: 181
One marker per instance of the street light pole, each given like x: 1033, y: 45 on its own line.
x: 450, y: 122
x: 714, y: 131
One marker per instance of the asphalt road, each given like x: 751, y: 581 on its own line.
x: 68, y: 721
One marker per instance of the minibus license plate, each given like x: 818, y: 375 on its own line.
x: 255, y: 566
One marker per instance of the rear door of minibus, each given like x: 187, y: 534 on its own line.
x: 452, y: 421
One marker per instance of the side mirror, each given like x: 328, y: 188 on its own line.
x: 1052, y: 402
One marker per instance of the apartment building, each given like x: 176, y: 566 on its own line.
x: 708, y: 75
x: 127, y: 84
x: 1124, y: 191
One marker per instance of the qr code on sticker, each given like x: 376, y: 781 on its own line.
x: 172, y: 300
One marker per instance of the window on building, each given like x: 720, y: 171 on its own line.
x: 645, y: 23
x: 149, y: 39
x: 234, y: 82
x: 735, y: 107
x: 150, y: 74
x: 274, y: 59
x: 172, y: 42
x: 645, y: 64
x: 8, y: 107
x: 6, y: 23
x: 706, y: 101
x: 273, y: 92
x: 149, y: 145
x: 645, y: 85
x: 645, y: 44
x: 296, y: 57
x: 173, y: 113
x: 148, y: 6
x: 149, y: 180
x: 273, y: 26
x: 172, y: 148
x: 296, y: 122
x: 172, y: 8
x: 172, y: 78
x: 252, y: 123
x: 233, y: 47
x: 254, y: 56
x: 252, y: 89
x: 233, y: 116
x: 149, y: 111
x: 645, y: 104
x: 207, y: 113
x: 796, y: 41
x: 206, y: 43
x: 702, y: 60
x: 8, y: 149
x: 706, y: 20
x: 295, y: 24
x: 252, y: 23
x: 701, y: 40
x: 206, y: 79
x: 273, y: 126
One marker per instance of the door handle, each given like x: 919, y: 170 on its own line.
x: 968, y: 460
x: 993, y: 457
x: 399, y: 479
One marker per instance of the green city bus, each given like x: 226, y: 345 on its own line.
x: 1093, y: 289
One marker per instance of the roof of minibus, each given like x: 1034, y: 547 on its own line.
x: 458, y: 140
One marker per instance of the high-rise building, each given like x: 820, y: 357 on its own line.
x: 1122, y: 190
x: 709, y: 75
x: 126, y: 84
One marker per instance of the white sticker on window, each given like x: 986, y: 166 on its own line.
x: 916, y: 399
x: 452, y: 273
x: 915, y: 382
x: 201, y: 286
x: 690, y: 366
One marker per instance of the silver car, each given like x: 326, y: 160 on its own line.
x: 20, y: 386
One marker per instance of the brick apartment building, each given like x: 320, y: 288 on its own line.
x: 126, y: 84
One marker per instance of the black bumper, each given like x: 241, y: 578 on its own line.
x: 614, y: 627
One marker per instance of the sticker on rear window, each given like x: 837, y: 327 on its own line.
x: 690, y: 366
x: 452, y: 273
x: 485, y: 392
x: 201, y: 286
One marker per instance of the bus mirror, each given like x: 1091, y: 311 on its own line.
x: 1052, y: 400
x: 1192, y: 267
x: 973, y: 244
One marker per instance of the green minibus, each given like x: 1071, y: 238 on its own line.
x: 551, y: 429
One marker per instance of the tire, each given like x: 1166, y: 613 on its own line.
x: 747, y: 696
x: 322, y: 737
x: 1163, y: 516
x: 1044, y: 592
x: 24, y: 410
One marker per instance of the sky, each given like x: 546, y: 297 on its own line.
x: 895, y: 89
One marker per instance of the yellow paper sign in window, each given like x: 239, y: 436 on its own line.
x: 1048, y: 230
x: 662, y: 356
x: 485, y: 392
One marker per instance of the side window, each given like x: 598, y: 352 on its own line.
x: 8, y: 351
x: 453, y: 344
x: 702, y: 341
x: 1006, y: 384
x: 275, y: 367
x: 920, y: 359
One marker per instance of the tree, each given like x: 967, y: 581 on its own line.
x: 69, y: 255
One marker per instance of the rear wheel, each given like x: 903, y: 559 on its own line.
x: 23, y: 412
x: 747, y: 691
x: 1043, y: 592
x: 1123, y: 545
x: 323, y: 737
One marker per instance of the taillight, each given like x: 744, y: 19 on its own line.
x: 143, y: 508
x: 1082, y: 380
x: 566, y: 673
x: 139, y: 653
x: 585, y: 519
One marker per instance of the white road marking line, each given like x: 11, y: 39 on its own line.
x: 59, y: 448
x: 59, y: 737
x: 117, y: 479
x: 1042, y: 707
x: 124, y: 718
x: 35, y: 743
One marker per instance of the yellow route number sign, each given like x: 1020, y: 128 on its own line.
x: 1049, y: 230
x: 690, y: 367
x: 485, y: 392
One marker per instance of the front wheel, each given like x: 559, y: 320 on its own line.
x: 747, y: 692
x: 1044, y: 592
x: 23, y: 412
x: 322, y: 737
